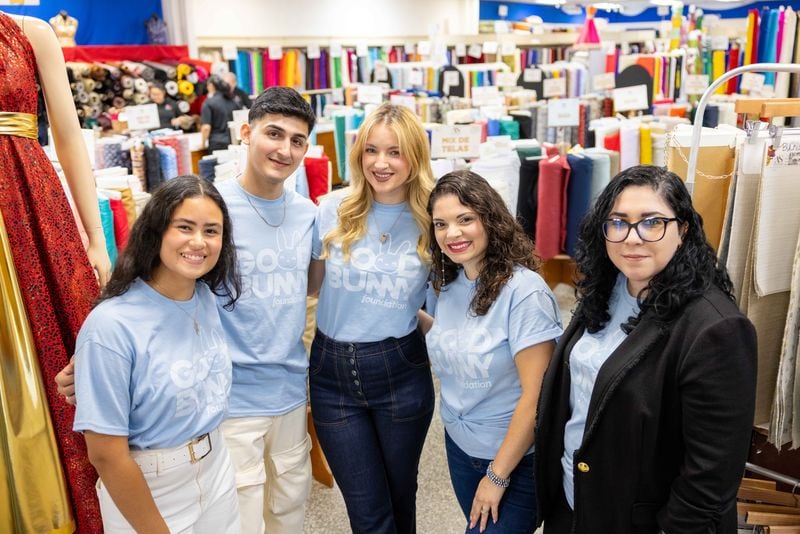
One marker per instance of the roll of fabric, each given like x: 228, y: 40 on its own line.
x: 184, y: 106
x: 140, y: 85
x: 601, y: 170
x: 138, y: 165
x: 527, y: 197
x: 169, y: 161
x: 579, y: 197
x: 171, y: 87
x: 551, y: 223
x: 121, y: 229
x: 153, y: 168
x: 317, y: 176
x: 107, y: 222
x: 185, y: 88
x: 645, y: 145
x: 525, y: 122
x: 206, y: 166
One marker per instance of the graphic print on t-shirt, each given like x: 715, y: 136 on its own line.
x: 386, y: 278
x: 279, y: 275
x: 202, y: 380
x: 466, y: 353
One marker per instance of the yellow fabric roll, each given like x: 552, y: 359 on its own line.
x: 185, y: 88
x: 645, y: 145
x: 33, y: 493
x: 182, y: 71
x: 718, y: 64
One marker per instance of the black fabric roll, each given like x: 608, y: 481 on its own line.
x: 153, y: 168
x: 527, y: 205
x: 525, y: 125
x: 207, y: 168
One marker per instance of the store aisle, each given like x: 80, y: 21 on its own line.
x: 437, y: 509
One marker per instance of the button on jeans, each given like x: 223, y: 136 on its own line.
x: 517, y: 508
x: 372, y: 404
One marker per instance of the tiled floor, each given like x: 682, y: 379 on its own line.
x: 437, y: 509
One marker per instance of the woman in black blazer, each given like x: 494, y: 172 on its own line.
x: 647, y: 407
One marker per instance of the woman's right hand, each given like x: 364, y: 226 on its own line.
x: 65, y: 380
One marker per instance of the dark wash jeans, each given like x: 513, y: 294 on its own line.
x: 372, y: 404
x: 517, y: 508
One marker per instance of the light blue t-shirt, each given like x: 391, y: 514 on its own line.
x: 473, y: 356
x: 588, y: 355
x: 376, y: 295
x: 265, y: 329
x: 141, y: 370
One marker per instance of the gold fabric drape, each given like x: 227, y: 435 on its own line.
x: 33, y: 492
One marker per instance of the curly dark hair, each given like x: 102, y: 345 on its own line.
x: 690, y: 272
x: 142, y: 253
x: 507, y: 246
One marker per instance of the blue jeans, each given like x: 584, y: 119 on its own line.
x: 517, y: 508
x: 372, y: 404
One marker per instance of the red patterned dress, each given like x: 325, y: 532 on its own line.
x: 54, y: 274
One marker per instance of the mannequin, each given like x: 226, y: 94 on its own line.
x: 156, y: 30
x: 48, y: 286
x: 65, y: 28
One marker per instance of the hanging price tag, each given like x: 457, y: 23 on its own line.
x: 751, y: 81
x: 275, y: 51
x: 563, y: 112
x: 485, y: 96
x: 475, y: 51
x: 424, y: 48
x: 506, y: 79
x: 229, y: 52
x: 362, y: 50
x: 336, y: 50
x: 461, y: 50
x: 369, y: 94
x: 381, y: 73
x: 404, y: 100
x: 554, y: 87
x: 532, y: 76
x: 490, y: 47
x: 508, y: 48
x: 415, y: 77
x: 696, y: 84
x: 409, y: 48
x: 603, y: 82
x: 630, y: 98
x: 312, y: 51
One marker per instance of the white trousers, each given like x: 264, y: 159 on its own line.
x: 273, y: 470
x: 193, y: 498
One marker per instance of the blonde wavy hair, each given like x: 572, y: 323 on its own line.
x: 354, y: 209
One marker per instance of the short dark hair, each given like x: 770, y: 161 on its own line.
x: 220, y: 85
x: 507, y: 243
x: 282, y: 101
x: 690, y: 272
x: 142, y: 253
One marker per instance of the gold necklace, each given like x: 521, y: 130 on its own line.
x: 163, y: 293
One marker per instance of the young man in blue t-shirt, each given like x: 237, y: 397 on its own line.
x: 265, y: 429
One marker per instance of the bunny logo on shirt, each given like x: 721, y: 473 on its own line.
x: 279, y: 272
x: 466, y: 354
x: 203, y: 379
x: 385, y: 276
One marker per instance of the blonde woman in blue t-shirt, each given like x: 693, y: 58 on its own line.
x: 493, y: 332
x: 370, y: 381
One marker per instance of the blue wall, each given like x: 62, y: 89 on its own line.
x: 100, y: 22
x: 552, y: 15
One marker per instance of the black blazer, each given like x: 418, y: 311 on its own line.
x: 668, y: 428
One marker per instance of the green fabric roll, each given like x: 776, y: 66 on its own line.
x: 337, y: 74
x: 528, y: 152
x: 510, y: 128
x: 258, y: 73
x: 339, y: 126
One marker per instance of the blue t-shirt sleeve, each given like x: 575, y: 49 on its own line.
x: 534, y: 319
x: 102, y: 390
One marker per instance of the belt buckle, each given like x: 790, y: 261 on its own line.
x: 193, y: 457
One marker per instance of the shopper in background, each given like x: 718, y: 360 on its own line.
x: 153, y: 373
x: 217, y: 110
x: 370, y: 381
x: 646, y: 410
x: 266, y: 427
x: 241, y: 98
x: 168, y: 111
x: 494, y: 326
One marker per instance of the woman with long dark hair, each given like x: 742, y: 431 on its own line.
x: 491, y: 340
x: 152, y: 371
x: 647, y: 407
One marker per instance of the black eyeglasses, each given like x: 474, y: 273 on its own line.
x: 650, y: 229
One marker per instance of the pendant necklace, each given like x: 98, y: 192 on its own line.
x: 283, y: 217
x: 195, y: 324
x: 384, y: 236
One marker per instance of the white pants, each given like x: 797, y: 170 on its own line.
x: 273, y: 470
x: 193, y: 498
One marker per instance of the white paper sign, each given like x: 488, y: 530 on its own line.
x: 751, y: 81
x: 336, y: 50
x: 451, y: 79
x: 338, y: 95
x: 229, y: 52
x: 369, y: 94
x: 506, y: 79
x: 144, y: 117
x: 475, y: 51
x: 312, y: 51
x: 415, y: 77
x: 603, y: 82
x: 696, y: 84
x: 532, y: 76
x: 404, y: 100
x: 409, y: 48
x: 508, y: 48
x: 461, y: 50
x: 485, y: 96
x: 554, y: 87
x: 456, y: 141
x: 563, y: 112
x: 275, y: 51
x: 490, y: 47
x: 424, y: 48
x: 630, y: 98
x: 362, y: 50
x: 381, y: 73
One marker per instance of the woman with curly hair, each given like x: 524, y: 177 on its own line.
x: 490, y: 343
x: 647, y: 408
x: 370, y: 381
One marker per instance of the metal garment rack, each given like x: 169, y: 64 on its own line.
x: 701, y: 107
x: 773, y: 475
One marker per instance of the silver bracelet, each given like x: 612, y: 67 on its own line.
x: 494, y: 479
